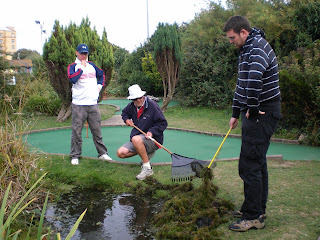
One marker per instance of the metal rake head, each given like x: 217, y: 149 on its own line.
x: 185, y: 169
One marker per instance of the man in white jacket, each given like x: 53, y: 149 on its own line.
x: 87, y: 80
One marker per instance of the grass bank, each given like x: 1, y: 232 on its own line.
x: 293, y: 209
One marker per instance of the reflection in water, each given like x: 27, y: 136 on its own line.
x: 109, y: 216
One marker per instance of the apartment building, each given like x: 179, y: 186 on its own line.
x: 8, y: 43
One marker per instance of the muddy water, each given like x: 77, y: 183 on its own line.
x: 109, y: 216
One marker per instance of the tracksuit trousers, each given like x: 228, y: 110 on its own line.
x: 80, y: 114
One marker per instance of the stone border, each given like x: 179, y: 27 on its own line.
x: 277, y: 140
x: 269, y: 157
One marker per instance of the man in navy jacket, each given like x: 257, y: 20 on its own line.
x: 146, y: 115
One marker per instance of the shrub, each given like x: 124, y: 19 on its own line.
x: 207, y: 75
x: 300, y: 90
x: 44, y: 104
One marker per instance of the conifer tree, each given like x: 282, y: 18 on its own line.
x: 59, y: 52
x: 167, y: 53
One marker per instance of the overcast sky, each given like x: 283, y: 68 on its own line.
x: 125, y: 20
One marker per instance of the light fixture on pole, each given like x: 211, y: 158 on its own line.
x: 42, y: 31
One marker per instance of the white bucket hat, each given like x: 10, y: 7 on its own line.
x: 135, y: 92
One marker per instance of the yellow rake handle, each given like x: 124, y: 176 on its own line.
x: 219, y: 148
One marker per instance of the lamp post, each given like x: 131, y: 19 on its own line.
x: 147, y: 20
x: 42, y: 31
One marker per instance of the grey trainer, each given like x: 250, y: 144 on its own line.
x: 145, y: 172
x: 245, y: 225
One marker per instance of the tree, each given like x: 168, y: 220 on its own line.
x: 25, y: 54
x: 149, y: 67
x: 130, y: 71
x: 208, y: 75
x: 307, y: 21
x: 4, y: 65
x: 167, y: 54
x: 119, y: 55
x: 59, y: 52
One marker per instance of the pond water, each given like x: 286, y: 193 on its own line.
x: 109, y: 216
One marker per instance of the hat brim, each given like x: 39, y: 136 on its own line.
x: 83, y: 51
x: 141, y: 94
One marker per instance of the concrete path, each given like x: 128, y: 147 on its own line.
x: 115, y: 120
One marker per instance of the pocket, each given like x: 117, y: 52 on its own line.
x: 255, y: 137
x: 253, y: 149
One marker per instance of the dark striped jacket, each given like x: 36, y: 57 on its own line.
x: 258, y: 76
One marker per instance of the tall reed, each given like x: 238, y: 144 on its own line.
x: 20, y: 187
x: 17, y: 162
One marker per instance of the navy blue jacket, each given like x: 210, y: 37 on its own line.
x: 151, y: 120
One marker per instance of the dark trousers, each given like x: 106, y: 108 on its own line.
x: 256, y: 134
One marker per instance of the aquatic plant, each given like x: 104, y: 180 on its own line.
x: 193, y: 214
x: 189, y: 212
x: 5, y: 222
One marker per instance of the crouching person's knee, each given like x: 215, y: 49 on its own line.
x: 121, y: 152
x: 136, y: 140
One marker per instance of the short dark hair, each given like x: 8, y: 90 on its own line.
x: 237, y: 23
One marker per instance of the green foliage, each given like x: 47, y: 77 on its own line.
x: 294, y: 95
x: 4, y: 64
x: 119, y: 55
x: 207, y: 75
x: 33, y: 93
x: 25, y: 54
x: 59, y: 52
x: 167, y: 38
x: 300, y: 84
x: 206, y: 27
x: 131, y: 66
x: 17, y: 163
x: 179, y: 216
x: 42, y: 104
x: 168, y: 57
x: 9, y: 216
x: 149, y: 68
x: 307, y: 21
x: 139, y: 68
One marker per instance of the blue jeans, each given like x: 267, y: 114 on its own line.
x: 256, y: 134
x: 80, y: 114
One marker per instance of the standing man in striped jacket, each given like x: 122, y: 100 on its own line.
x: 257, y: 100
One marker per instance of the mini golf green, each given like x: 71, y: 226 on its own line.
x: 188, y: 144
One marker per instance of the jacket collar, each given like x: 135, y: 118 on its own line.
x: 146, y: 103
x: 255, y: 32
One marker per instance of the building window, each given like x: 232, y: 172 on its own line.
x: 12, y: 41
x: 0, y: 34
x: 12, y: 34
x: 12, y: 47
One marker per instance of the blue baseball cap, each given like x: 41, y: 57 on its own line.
x: 83, y: 48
